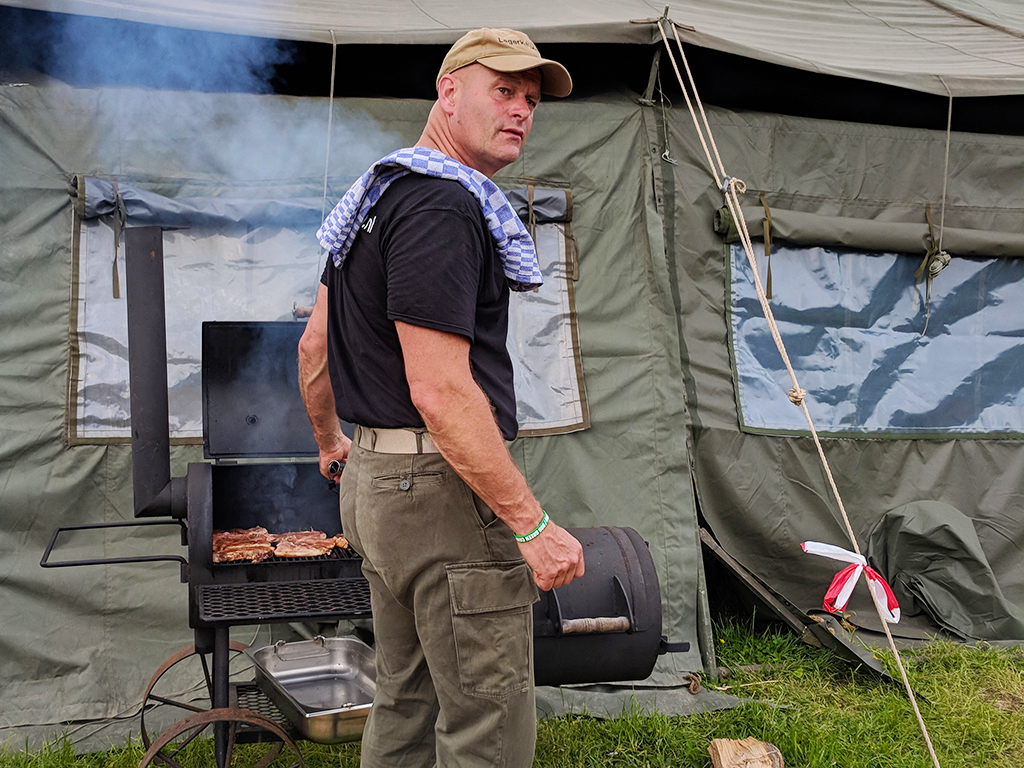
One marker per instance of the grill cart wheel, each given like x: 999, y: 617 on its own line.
x: 173, y: 687
x: 190, y: 727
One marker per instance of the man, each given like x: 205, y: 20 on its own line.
x: 407, y: 341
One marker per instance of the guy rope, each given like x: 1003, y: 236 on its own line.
x: 731, y: 189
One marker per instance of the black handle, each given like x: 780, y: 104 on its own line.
x: 45, y: 562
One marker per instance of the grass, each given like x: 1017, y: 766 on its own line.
x: 820, y: 711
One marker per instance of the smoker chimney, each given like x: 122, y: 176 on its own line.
x: 156, y: 493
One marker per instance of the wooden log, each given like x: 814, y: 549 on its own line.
x: 744, y: 753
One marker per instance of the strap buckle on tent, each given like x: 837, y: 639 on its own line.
x: 767, y: 245
x: 120, y: 221
x: 935, y: 260
x: 532, y: 214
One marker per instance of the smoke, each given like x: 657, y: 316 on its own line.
x: 187, y: 114
x: 191, y: 101
x: 87, y: 51
x: 279, y: 496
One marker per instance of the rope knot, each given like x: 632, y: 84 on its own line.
x: 738, y: 185
x: 796, y: 395
x: 937, y: 263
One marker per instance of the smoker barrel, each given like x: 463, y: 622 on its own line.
x: 605, y: 626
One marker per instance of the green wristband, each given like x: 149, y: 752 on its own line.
x: 536, y: 531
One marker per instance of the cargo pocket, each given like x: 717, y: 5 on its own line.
x: 492, y: 620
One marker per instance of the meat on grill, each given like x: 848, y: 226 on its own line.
x: 242, y: 544
x: 257, y: 544
x: 299, y: 545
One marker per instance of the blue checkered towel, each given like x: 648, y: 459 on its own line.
x: 515, y: 246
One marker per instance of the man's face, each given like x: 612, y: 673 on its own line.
x: 493, y: 114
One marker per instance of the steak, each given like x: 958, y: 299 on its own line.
x: 307, y: 544
x: 257, y: 544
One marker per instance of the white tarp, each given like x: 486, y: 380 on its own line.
x: 945, y: 47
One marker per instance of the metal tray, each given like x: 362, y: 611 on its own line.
x: 324, y: 686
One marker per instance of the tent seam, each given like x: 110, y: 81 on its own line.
x: 975, y: 19
x: 932, y: 41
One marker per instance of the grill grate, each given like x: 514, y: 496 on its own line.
x: 335, y: 554
x: 283, y: 600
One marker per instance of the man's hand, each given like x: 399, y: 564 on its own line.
x: 555, y: 556
x: 337, y: 452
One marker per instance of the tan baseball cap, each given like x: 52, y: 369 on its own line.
x: 506, y: 50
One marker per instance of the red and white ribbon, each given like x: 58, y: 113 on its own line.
x: 838, y: 594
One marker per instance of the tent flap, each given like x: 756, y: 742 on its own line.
x: 931, y: 555
x: 143, y: 208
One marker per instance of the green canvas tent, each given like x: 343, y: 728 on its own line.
x: 678, y: 423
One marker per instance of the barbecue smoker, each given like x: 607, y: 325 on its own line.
x: 601, y: 628
x: 251, y: 410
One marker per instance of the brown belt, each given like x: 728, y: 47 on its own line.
x: 394, y: 440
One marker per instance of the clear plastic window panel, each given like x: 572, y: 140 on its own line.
x: 874, y: 353
x: 549, y: 393
x: 256, y: 275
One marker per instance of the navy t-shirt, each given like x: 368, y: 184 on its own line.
x: 423, y: 256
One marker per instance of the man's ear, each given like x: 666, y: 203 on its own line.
x: 447, y: 88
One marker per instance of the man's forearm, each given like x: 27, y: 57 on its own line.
x: 462, y: 425
x: 459, y: 418
x: 315, y: 385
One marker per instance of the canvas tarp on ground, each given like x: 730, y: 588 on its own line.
x: 79, y: 644
x: 903, y: 378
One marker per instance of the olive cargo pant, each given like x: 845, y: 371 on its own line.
x: 452, y: 617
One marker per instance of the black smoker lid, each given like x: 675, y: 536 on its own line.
x: 252, y: 407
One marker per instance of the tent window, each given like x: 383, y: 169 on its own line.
x: 874, y: 356
x: 228, y: 259
x: 543, y: 338
x: 254, y: 274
